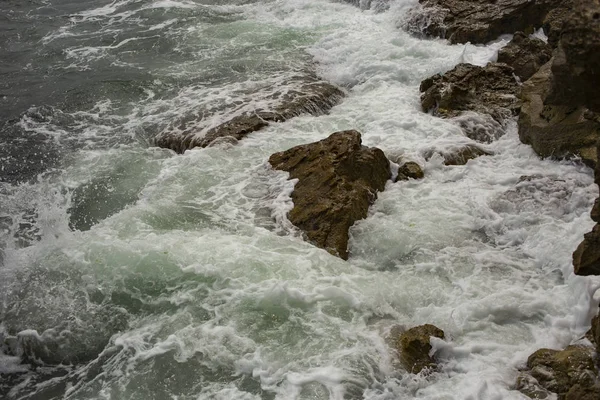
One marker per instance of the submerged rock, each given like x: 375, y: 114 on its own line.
x: 409, y: 170
x: 564, y: 372
x: 414, y: 346
x: 309, y: 95
x: 460, y: 155
x: 559, y: 130
x: 525, y: 54
x: 477, y: 21
x: 469, y: 90
x: 338, y: 179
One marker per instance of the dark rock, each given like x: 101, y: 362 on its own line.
x: 576, y: 65
x: 308, y: 95
x: 460, y: 155
x: 409, y: 170
x: 554, y: 21
x: 414, y: 346
x: 338, y: 179
x: 477, y: 21
x: 595, y: 331
x: 579, y: 392
x: 555, y: 130
x: 586, y: 258
x: 526, y: 55
x: 560, y: 371
x: 491, y: 90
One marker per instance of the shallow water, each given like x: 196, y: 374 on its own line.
x: 151, y: 275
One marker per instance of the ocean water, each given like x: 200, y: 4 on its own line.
x: 130, y: 272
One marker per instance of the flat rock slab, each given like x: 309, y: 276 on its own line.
x: 301, y: 95
x: 338, y: 179
x: 478, y: 21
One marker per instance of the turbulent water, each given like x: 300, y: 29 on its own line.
x: 130, y: 272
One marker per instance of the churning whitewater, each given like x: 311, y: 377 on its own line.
x: 131, y: 272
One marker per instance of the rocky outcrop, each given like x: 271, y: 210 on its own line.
x: 586, y: 258
x: 478, y: 21
x: 559, y: 130
x: 554, y: 21
x: 414, y: 346
x: 409, y: 170
x: 576, y: 65
x: 338, y: 179
x: 302, y: 95
x: 525, y: 54
x: 567, y: 373
x: 490, y: 91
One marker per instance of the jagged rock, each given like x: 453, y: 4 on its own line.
x: 467, y: 89
x: 309, y: 95
x: 477, y: 21
x: 577, y: 59
x: 414, y: 346
x: 555, y: 130
x: 559, y: 371
x: 409, y: 170
x: 526, y: 55
x: 586, y: 258
x: 554, y: 21
x: 460, y: 155
x: 579, y: 392
x: 338, y: 179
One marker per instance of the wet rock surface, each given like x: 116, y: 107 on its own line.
x: 409, y: 170
x: 555, y: 130
x: 477, y: 21
x: 480, y: 99
x: 338, y: 179
x: 568, y: 373
x: 525, y: 54
x: 414, y: 346
x: 302, y: 95
x: 459, y: 155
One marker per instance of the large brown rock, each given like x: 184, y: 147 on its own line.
x: 478, y: 21
x: 302, y: 95
x: 338, y: 179
x: 560, y: 130
x: 525, y: 54
x: 490, y: 91
x: 414, y: 346
x: 566, y: 371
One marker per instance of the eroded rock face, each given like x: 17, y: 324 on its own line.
x: 567, y: 371
x: 469, y: 90
x: 525, y: 54
x: 309, y: 95
x: 414, y: 346
x: 586, y: 258
x: 555, y: 130
x: 338, y: 179
x: 576, y: 65
x: 478, y: 21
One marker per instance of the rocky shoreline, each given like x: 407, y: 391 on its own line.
x: 549, y: 86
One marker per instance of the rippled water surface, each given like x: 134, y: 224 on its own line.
x: 130, y: 272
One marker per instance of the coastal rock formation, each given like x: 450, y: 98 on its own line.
x: 477, y: 21
x: 308, y: 95
x: 409, y: 170
x: 525, y: 54
x: 414, y: 346
x: 338, y: 179
x: 554, y: 21
x: 558, y: 130
x: 567, y: 372
x: 481, y: 99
